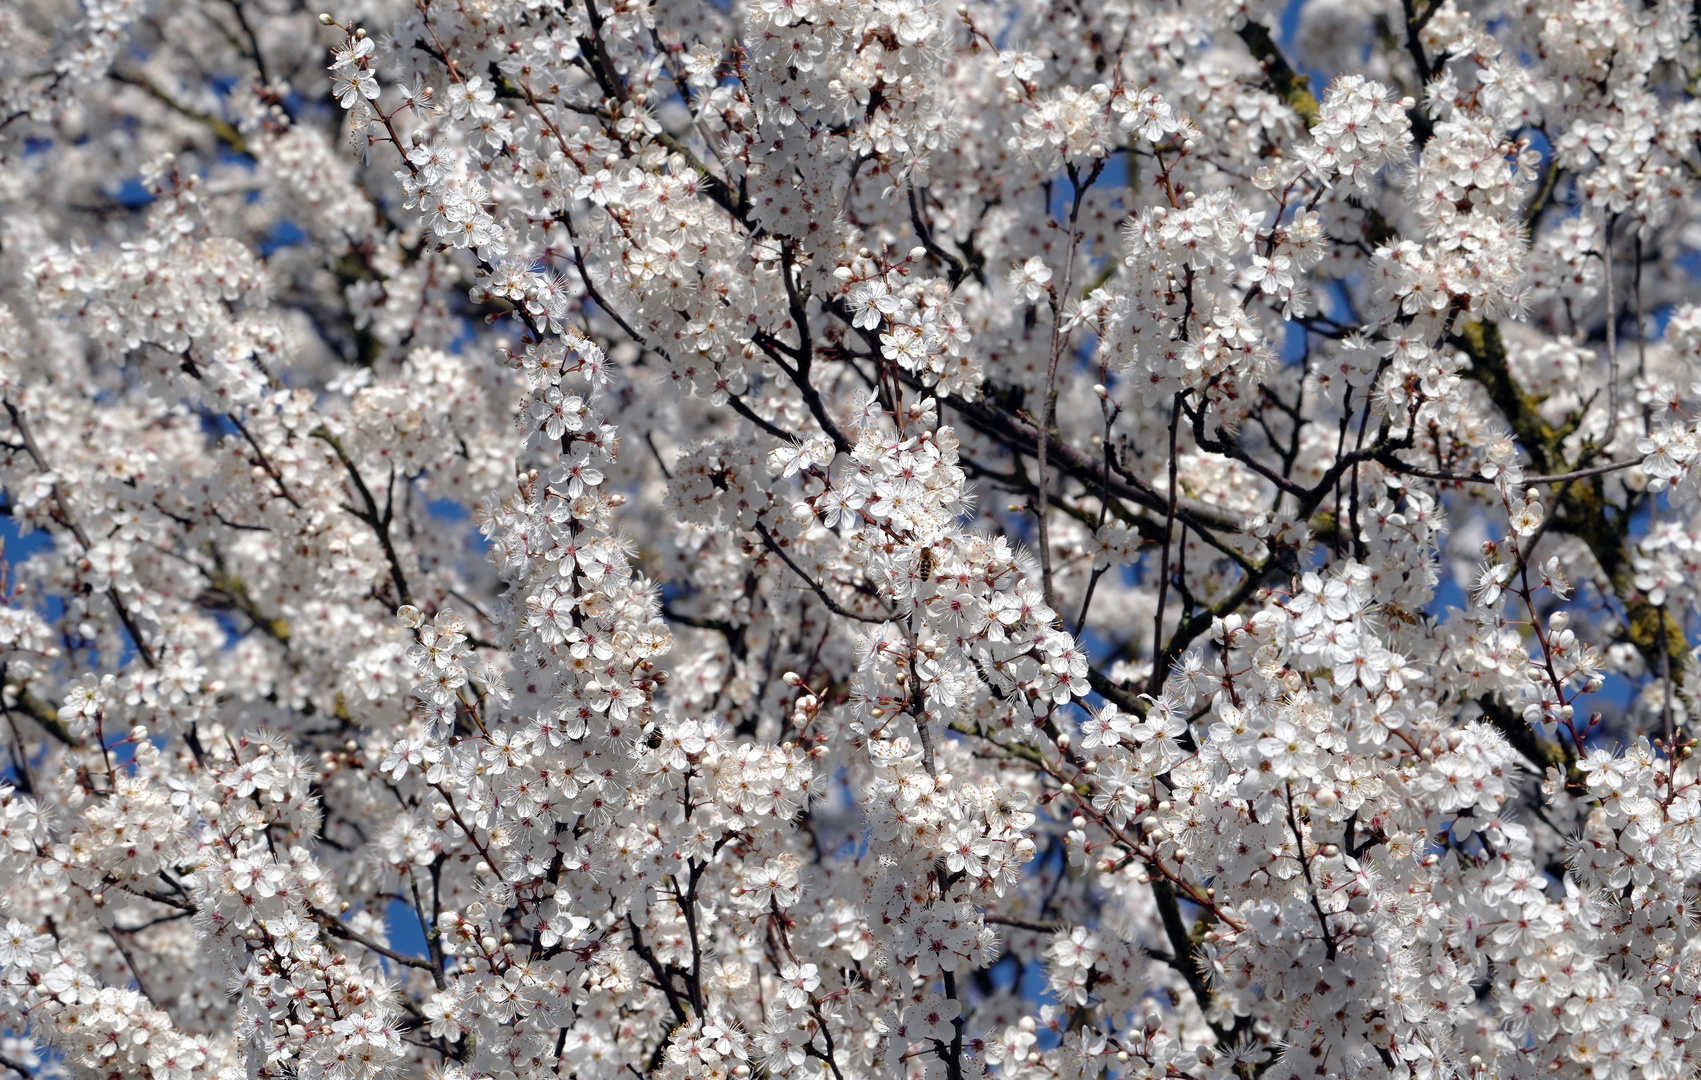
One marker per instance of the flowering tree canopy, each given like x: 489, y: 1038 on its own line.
x: 850, y: 539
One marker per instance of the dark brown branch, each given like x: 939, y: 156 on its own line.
x: 379, y: 522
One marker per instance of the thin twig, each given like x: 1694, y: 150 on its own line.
x: 832, y: 605
x: 65, y: 518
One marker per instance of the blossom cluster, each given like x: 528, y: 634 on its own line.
x: 849, y: 540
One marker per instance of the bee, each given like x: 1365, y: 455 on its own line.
x: 924, y: 565
x: 1400, y: 614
